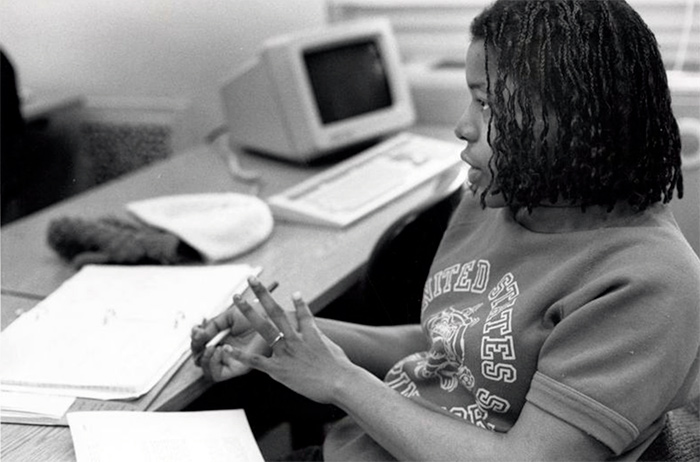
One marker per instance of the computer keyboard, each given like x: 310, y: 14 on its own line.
x: 362, y: 184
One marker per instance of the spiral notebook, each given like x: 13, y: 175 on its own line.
x: 111, y: 332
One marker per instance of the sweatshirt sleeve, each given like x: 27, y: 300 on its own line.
x: 621, y: 353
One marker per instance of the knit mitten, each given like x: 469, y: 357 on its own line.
x: 118, y: 241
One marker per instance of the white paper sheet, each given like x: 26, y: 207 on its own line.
x: 118, y: 436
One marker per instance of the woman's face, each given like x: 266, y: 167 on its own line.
x: 472, y: 127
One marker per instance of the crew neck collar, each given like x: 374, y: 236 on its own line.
x: 567, y: 219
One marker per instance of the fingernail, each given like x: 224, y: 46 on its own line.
x: 296, y: 296
x: 241, y: 304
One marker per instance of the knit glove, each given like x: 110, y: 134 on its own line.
x: 117, y: 241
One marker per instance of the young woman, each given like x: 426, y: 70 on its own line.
x: 560, y: 317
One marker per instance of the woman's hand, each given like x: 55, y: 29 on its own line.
x: 242, y: 336
x: 303, y: 358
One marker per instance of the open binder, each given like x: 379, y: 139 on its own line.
x: 111, y: 332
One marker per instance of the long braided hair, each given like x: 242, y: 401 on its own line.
x: 581, y: 106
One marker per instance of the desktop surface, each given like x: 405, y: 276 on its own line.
x: 321, y: 263
x: 32, y: 268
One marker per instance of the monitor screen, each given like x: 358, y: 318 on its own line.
x: 348, y: 80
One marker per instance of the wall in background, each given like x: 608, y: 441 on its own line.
x: 175, y: 50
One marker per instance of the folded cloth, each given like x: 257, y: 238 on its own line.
x: 219, y: 226
x: 115, y: 240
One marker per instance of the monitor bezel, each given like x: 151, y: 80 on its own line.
x: 285, y: 57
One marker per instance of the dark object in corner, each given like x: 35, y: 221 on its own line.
x: 679, y: 441
x: 118, y: 241
x: 12, y: 129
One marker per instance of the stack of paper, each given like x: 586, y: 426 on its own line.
x: 111, y: 332
x: 33, y: 408
x: 173, y: 436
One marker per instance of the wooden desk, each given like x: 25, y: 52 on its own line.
x: 13, y: 307
x: 319, y: 262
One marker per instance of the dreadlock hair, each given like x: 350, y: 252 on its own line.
x: 580, y: 105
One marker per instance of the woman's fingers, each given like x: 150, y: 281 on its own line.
x: 273, y: 310
x: 304, y: 315
x: 261, y: 292
x: 267, y: 330
x: 204, y: 360
x: 230, y: 356
x: 203, y: 332
x: 278, y: 328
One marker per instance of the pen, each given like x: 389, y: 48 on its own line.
x: 215, y: 340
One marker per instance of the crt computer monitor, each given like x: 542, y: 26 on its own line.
x: 309, y: 94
